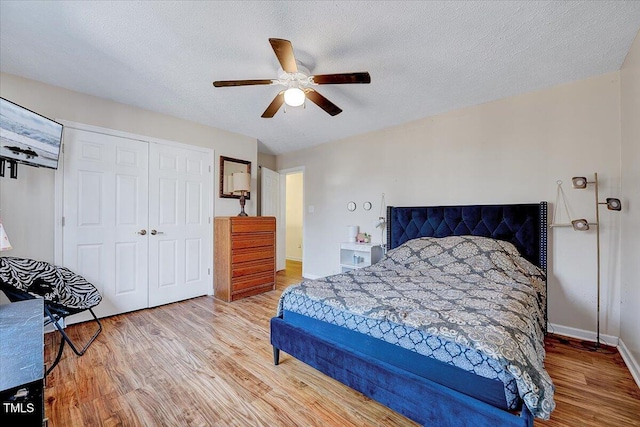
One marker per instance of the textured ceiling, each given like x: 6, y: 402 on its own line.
x: 424, y: 58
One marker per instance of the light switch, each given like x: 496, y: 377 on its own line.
x: 312, y: 209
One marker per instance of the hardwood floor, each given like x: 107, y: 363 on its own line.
x: 204, y: 362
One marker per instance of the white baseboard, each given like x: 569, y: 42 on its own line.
x: 292, y: 258
x: 632, y: 363
x: 582, y: 334
x: 312, y: 276
x: 50, y: 328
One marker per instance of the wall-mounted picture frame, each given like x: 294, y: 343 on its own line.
x: 229, y: 166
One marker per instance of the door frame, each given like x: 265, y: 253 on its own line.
x: 58, y: 203
x: 283, y: 204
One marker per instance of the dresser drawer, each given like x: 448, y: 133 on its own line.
x: 252, y: 267
x: 240, y: 241
x: 250, y: 281
x: 252, y: 225
x: 252, y: 254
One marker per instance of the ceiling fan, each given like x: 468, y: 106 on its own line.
x: 297, y: 82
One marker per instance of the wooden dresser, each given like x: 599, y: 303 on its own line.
x: 244, y: 256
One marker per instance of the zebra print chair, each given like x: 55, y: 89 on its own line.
x: 64, y: 292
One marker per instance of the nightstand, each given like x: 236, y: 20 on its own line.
x: 358, y: 255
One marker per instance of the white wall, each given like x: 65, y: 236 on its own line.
x: 26, y: 204
x: 293, y: 216
x: 508, y: 151
x: 630, y: 251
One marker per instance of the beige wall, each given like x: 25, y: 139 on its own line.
x: 267, y: 160
x: 630, y: 247
x: 508, y: 151
x: 27, y: 204
x: 293, y: 216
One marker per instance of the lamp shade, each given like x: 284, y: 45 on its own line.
x: 352, y: 232
x: 5, y: 244
x: 614, y: 204
x: 241, y: 181
x: 580, y: 224
x: 579, y: 182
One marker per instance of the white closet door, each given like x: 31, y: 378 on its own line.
x: 179, y: 224
x: 105, y: 213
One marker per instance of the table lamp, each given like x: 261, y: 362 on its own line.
x: 241, y: 184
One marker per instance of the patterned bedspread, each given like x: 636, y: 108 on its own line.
x: 469, y: 301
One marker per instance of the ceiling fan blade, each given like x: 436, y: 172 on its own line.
x: 322, y: 102
x: 284, y: 51
x: 275, y: 105
x: 223, y: 83
x: 343, y: 78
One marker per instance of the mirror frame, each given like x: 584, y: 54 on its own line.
x: 226, y: 160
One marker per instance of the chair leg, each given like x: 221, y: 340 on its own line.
x: 66, y: 338
x: 55, y: 362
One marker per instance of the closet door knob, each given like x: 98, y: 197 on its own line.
x: 154, y: 232
x: 142, y: 232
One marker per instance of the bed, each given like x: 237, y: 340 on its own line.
x: 447, y: 329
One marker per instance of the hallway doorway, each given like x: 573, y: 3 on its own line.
x: 294, y: 216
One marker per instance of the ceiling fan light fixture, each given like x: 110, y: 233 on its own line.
x: 298, y: 82
x: 294, y: 97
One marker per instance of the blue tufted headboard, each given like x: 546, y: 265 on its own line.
x: 524, y: 225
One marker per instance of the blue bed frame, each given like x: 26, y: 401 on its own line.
x: 418, y: 398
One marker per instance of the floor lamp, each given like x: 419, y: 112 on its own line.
x: 381, y: 223
x: 581, y: 182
